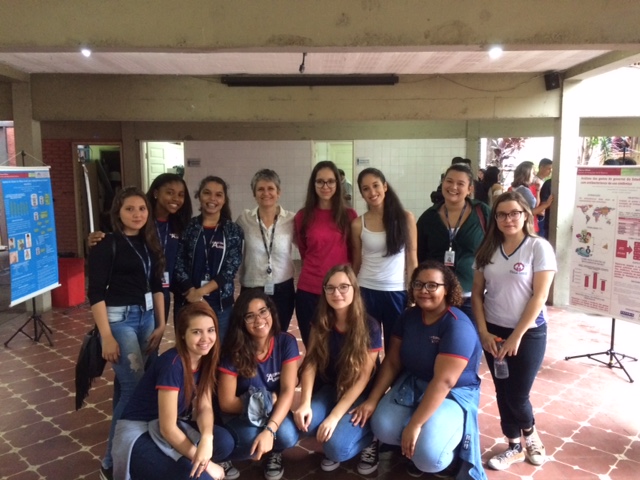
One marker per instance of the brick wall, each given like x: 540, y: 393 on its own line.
x: 58, y: 154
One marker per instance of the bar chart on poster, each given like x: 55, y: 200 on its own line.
x: 27, y: 232
x: 605, y: 245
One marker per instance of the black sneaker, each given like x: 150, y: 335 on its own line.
x: 230, y: 472
x: 273, y: 469
x: 413, y: 470
x: 106, y: 473
x: 369, y: 459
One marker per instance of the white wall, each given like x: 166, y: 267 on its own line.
x: 413, y: 167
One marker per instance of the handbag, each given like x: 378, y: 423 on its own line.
x: 89, y: 366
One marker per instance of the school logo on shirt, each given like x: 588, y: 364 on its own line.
x: 273, y: 377
x: 219, y: 245
x: 174, y: 236
x: 518, y: 268
x: 434, y: 340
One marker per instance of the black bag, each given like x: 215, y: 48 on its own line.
x: 90, y: 365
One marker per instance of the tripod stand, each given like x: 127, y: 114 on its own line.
x: 39, y: 327
x: 613, y: 355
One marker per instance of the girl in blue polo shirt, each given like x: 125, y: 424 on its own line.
x: 257, y: 382
x: 343, y: 351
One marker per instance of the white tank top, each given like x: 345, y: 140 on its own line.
x: 378, y: 272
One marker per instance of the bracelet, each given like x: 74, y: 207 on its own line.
x: 276, y: 423
x: 270, y: 430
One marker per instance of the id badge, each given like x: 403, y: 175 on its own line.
x: 165, y: 280
x: 148, y: 301
x: 269, y: 288
x: 449, y: 258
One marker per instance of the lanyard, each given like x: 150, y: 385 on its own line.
x: 207, y: 247
x: 145, y: 264
x: 452, y: 234
x: 264, y: 240
x: 163, y: 241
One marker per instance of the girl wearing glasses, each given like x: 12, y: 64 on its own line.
x: 431, y: 366
x: 210, y: 253
x: 451, y: 231
x: 514, y: 271
x: 167, y: 428
x: 384, y: 247
x: 125, y: 292
x: 268, y: 243
x: 322, y: 234
x: 257, y: 383
x: 336, y: 372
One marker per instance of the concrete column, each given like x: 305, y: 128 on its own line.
x: 29, y: 140
x: 472, y: 144
x: 565, y: 155
x: 130, y: 152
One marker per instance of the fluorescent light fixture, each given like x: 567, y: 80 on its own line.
x: 86, y: 52
x: 495, y: 52
x: 307, y: 80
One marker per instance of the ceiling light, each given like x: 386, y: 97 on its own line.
x: 86, y: 52
x: 495, y: 52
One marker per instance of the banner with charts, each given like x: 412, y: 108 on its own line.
x: 605, y: 243
x: 28, y: 250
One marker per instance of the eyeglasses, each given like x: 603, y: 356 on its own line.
x: 430, y: 286
x: 515, y: 215
x: 342, y: 288
x: 253, y: 317
x: 329, y: 183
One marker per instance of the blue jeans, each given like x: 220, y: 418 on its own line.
x: 513, y: 393
x: 131, y: 326
x: 347, y: 440
x: 284, y: 296
x: 244, y: 433
x: 148, y: 462
x: 306, y: 304
x: 440, y: 435
x: 385, y: 307
x: 466, y: 308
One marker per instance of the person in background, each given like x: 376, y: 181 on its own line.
x: 431, y: 410
x: 322, y: 234
x: 451, y: 231
x: 522, y: 184
x: 268, y: 241
x: 347, y: 188
x: 545, y: 168
x: 167, y: 428
x: 384, y: 249
x: 491, y: 182
x: 125, y: 293
x: 171, y: 209
x: 210, y: 253
x: 545, y: 224
x: 337, y: 372
x: 257, y: 378
x: 480, y: 191
x: 514, y: 271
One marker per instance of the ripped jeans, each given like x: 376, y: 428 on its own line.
x: 131, y: 326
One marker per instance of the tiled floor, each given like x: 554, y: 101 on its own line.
x: 587, y: 414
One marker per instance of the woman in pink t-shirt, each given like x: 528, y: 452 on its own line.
x: 322, y: 234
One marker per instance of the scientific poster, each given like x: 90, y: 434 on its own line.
x: 605, y: 243
x: 27, y: 232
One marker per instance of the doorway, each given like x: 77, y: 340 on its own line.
x: 159, y: 158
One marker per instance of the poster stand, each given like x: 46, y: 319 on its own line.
x: 613, y: 355
x: 39, y: 327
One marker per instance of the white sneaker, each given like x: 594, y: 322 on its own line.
x: 505, y: 459
x: 534, y: 450
x: 328, y: 465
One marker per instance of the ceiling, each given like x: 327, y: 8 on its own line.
x: 270, y: 63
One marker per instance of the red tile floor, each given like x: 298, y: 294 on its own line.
x: 587, y: 414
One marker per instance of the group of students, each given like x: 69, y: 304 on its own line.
x: 234, y: 357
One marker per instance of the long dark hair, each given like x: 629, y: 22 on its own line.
x: 179, y: 220
x: 394, y: 217
x: 338, y: 208
x: 208, y: 362
x: 491, y: 176
x: 522, y: 174
x: 225, y: 211
x: 239, y: 345
x: 357, y: 343
x: 149, y: 232
x: 494, y: 237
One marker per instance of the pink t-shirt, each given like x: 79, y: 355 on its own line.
x: 323, y: 247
